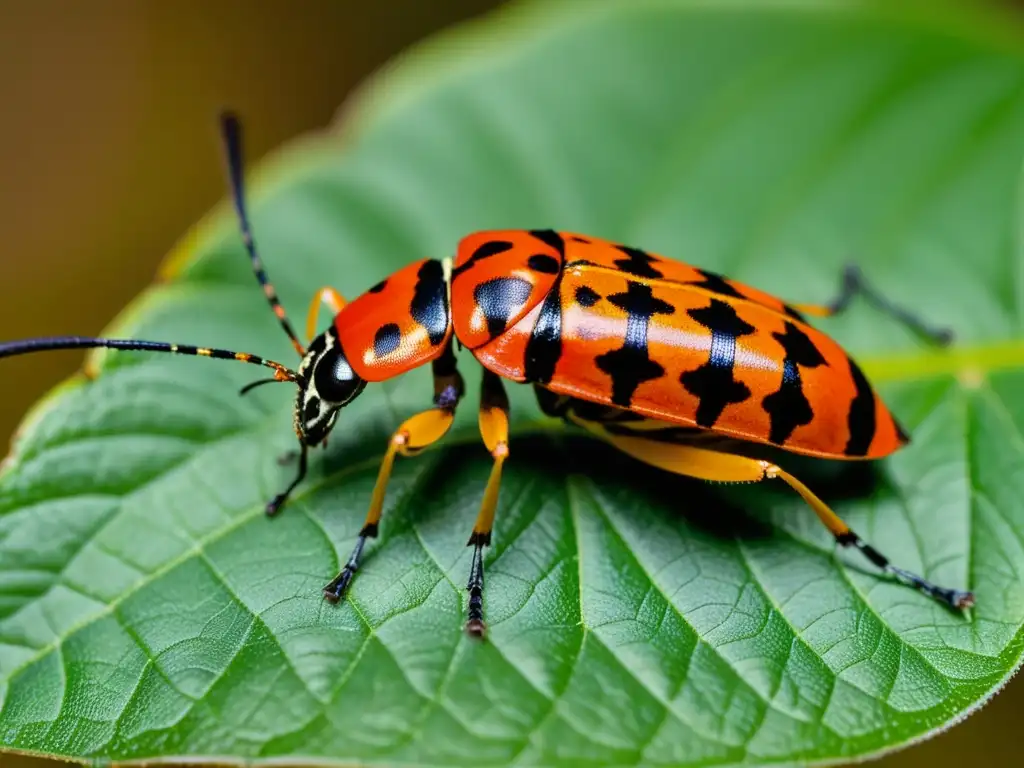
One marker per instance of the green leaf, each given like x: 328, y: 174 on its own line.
x: 149, y: 609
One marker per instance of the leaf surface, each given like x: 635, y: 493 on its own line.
x: 148, y: 609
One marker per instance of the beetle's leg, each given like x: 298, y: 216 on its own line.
x: 853, y: 284
x: 725, y: 467
x: 494, y: 430
x: 275, y: 504
x: 414, y: 434
x: 326, y: 295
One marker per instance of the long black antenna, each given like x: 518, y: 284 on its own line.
x: 231, y: 129
x: 48, y: 343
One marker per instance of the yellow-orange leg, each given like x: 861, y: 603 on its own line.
x: 494, y: 430
x: 854, y: 284
x: 326, y: 295
x: 414, y: 434
x: 725, y: 467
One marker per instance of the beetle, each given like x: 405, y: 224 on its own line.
x: 675, y: 366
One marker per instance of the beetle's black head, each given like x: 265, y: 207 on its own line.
x: 327, y: 383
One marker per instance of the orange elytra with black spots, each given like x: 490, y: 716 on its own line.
x: 676, y: 366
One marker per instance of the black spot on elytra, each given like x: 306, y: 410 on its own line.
x: 387, y: 339
x: 637, y: 262
x: 541, y: 262
x: 578, y: 239
x: 631, y: 365
x: 861, y: 417
x: 713, y: 383
x: 378, y: 287
x: 717, y: 284
x: 485, y: 251
x: 587, y: 297
x: 429, y: 305
x: 550, y: 237
x: 545, y: 345
x: 793, y: 313
x: 499, y: 299
x: 789, y: 408
x: 799, y: 348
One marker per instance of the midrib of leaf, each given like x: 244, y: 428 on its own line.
x: 969, y: 363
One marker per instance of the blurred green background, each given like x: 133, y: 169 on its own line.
x: 109, y: 153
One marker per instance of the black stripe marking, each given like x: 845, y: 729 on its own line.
x: 550, y: 237
x: 631, y: 365
x: 713, y: 383
x: 861, y: 418
x: 637, y: 262
x: 789, y: 408
x: 429, y: 305
x: 378, y: 287
x: 717, y: 284
x: 499, y: 299
x: 485, y: 251
x: 545, y: 345
x: 793, y: 313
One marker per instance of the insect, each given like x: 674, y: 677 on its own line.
x: 675, y: 366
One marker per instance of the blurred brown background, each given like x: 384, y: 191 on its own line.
x: 108, y: 153
x: 108, y: 143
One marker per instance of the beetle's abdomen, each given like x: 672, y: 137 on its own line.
x: 687, y: 355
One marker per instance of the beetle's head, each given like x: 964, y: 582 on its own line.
x: 327, y: 383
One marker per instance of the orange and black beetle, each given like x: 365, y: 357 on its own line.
x: 673, y: 365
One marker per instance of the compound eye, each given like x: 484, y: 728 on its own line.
x: 335, y: 381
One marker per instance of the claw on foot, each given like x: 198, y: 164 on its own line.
x: 336, y: 590
x: 274, y: 505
